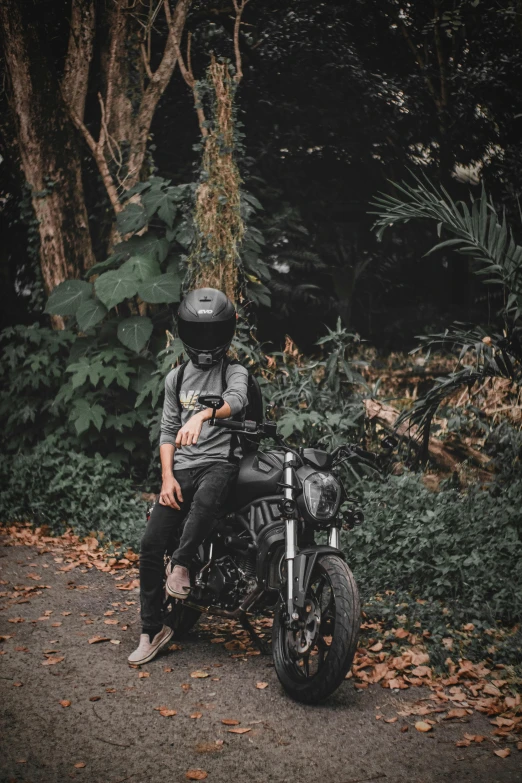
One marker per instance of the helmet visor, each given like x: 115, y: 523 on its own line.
x: 206, y: 335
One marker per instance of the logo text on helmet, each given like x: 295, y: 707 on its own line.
x: 208, y: 312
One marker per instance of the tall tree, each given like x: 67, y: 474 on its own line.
x: 48, y: 145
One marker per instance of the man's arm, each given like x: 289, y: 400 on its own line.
x: 170, y: 494
x: 188, y: 435
x: 235, y: 399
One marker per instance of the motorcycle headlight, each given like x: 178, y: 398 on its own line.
x: 322, y: 494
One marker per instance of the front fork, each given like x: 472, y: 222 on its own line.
x: 289, y: 510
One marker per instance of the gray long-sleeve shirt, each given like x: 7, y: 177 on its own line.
x: 213, y: 443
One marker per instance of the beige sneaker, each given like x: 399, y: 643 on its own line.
x: 148, y: 650
x: 178, y: 581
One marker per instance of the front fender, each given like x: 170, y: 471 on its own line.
x: 303, y: 567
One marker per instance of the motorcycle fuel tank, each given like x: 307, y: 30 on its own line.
x: 258, y: 477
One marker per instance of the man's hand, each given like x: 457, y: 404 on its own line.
x: 188, y: 435
x: 170, y: 493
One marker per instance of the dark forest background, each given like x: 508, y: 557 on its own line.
x: 336, y: 100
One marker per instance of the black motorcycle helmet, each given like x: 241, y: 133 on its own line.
x: 206, y: 325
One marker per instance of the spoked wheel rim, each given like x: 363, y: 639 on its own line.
x: 308, y: 648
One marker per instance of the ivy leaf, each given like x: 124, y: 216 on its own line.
x: 83, y: 414
x: 67, y: 297
x: 143, y: 267
x: 115, y: 286
x: 134, y: 332
x: 161, y: 289
x: 90, y: 313
x: 131, y: 219
x: 184, y: 235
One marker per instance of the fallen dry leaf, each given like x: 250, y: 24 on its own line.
x: 404, y: 728
x: 94, y: 698
x: 196, y: 715
x: 199, y: 675
x: 391, y: 720
x: 65, y: 703
x: 18, y: 684
x: 167, y: 713
x: 217, y: 640
x: 80, y: 764
x: 196, y: 774
x: 5, y: 638
x: 261, y: 685
x: 458, y: 712
x: 111, y: 622
x: 16, y: 620
x: 422, y: 726
x: 502, y: 753
x: 96, y: 639
x: 142, y: 675
x: 401, y: 633
x: 174, y: 647
x: 235, y: 644
x: 115, y: 641
x: 52, y: 661
x: 376, y: 647
x: 209, y: 747
x: 230, y: 722
x: 239, y: 731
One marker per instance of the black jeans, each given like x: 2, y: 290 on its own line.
x: 205, y: 490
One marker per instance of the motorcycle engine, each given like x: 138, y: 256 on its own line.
x: 228, y: 582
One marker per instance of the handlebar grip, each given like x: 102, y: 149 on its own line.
x: 227, y: 424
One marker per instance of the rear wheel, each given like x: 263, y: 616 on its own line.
x: 311, y: 662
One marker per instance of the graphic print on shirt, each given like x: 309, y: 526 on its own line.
x: 189, y: 399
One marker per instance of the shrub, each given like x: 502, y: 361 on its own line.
x: 62, y: 488
x: 464, y: 550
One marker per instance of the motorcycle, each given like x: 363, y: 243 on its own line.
x: 262, y: 555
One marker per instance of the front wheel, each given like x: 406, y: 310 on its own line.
x: 311, y: 662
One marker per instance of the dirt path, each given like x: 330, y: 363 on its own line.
x: 112, y: 728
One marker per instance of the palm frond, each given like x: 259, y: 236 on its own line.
x: 475, y: 230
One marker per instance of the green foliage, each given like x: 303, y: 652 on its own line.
x: 464, y: 549
x: 62, y: 488
x: 93, y: 393
x: 319, y: 402
x: 147, y: 268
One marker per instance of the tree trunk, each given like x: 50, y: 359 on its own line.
x: 48, y: 146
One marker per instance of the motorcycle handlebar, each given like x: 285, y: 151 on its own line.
x: 241, y: 426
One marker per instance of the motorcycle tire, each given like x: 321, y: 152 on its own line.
x: 343, y: 633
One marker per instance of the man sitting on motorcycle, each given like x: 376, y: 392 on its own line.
x: 199, y: 463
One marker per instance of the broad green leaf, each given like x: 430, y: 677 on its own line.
x: 147, y: 245
x: 131, y: 219
x: 143, y: 267
x: 113, y: 261
x: 134, y: 332
x: 90, y: 313
x: 83, y: 414
x: 115, y: 286
x: 161, y: 289
x: 67, y: 297
x: 160, y: 201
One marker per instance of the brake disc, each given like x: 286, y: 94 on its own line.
x: 302, y: 640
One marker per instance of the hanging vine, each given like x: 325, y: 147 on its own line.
x: 214, y: 260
